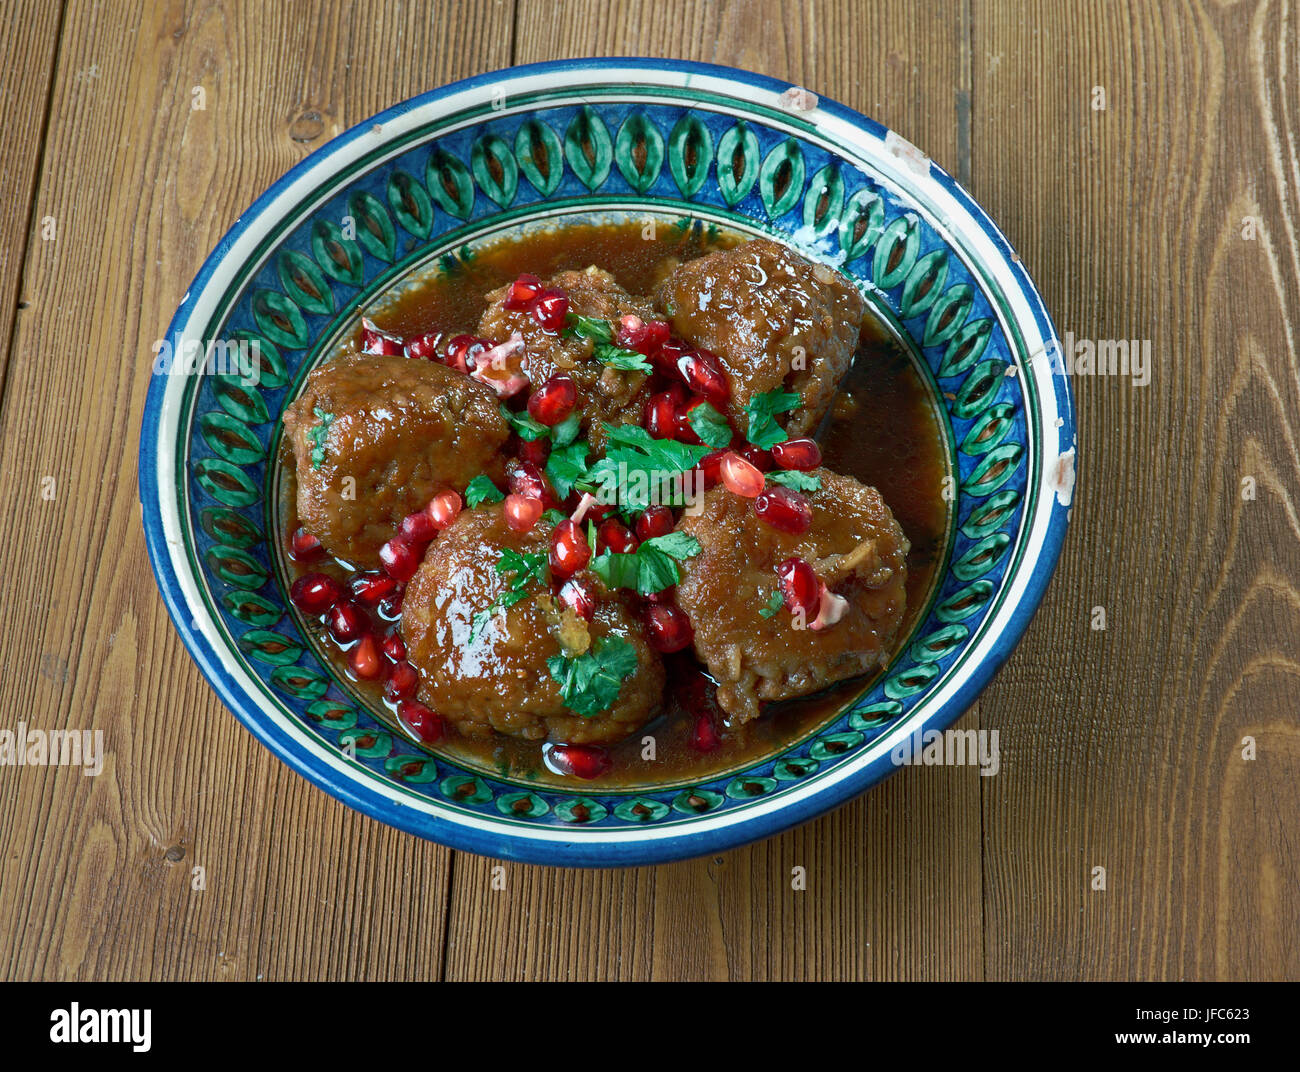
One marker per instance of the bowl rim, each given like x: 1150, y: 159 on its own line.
x: 537, y: 846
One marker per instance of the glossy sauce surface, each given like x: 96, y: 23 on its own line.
x: 882, y: 430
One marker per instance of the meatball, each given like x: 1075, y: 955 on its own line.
x: 604, y: 393
x: 858, y: 552
x: 485, y: 667
x: 774, y: 319
x: 401, y: 429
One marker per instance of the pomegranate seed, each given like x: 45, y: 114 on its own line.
x: 393, y: 646
x: 444, y: 508
x: 403, y: 680
x: 711, y: 467
x: 570, y: 551
x: 534, y: 451
x: 522, y: 292
x: 346, y: 621
x: 550, y: 308
x: 703, y: 374
x: 522, y: 512
x: 370, y: 589
x: 428, y: 725
x: 802, y: 454
x: 784, y: 508
x: 800, y: 587
x: 659, y: 417
x: 375, y: 340
x: 315, y: 593
x: 669, y: 357
x: 667, y: 627
x: 704, y: 737
x: 400, y: 558
x: 643, y: 336
x: 631, y: 333
x: 577, y: 760
x: 463, y: 350
x: 418, y: 527
x: 580, y: 594
x: 616, y: 536
x: 303, y: 545
x: 656, y: 521
x: 424, y: 347
x: 390, y: 607
x: 554, y: 400
x: 365, y: 659
x: 739, y: 476
x: 756, y: 456
x: 664, y: 595
x: 528, y: 480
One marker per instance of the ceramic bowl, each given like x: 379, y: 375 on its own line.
x: 415, y: 188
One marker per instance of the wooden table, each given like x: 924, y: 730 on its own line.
x: 1144, y: 159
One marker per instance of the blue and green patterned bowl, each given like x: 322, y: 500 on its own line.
x: 423, y: 181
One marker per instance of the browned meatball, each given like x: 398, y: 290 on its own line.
x: 859, y: 553
x: 774, y: 319
x: 604, y: 393
x: 490, y: 673
x: 401, y: 429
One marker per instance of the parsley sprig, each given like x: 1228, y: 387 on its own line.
x: 710, y: 425
x: 481, y: 490
x: 523, y: 425
x: 637, y: 468
x: 591, y: 682
x: 603, y: 347
x: 528, y: 568
x: 651, y: 568
x: 761, y: 411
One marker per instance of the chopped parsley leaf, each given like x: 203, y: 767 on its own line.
x: 566, y: 431
x: 793, y: 478
x: 616, y: 357
x: 710, y: 425
x: 591, y: 682
x: 638, y: 469
x: 527, y: 568
x: 761, y: 411
x: 774, y: 603
x: 481, y: 490
x: 523, y: 425
x: 587, y: 327
x: 565, y: 466
x: 316, y: 436
x: 651, y: 568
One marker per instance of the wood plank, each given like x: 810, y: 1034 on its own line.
x: 95, y: 872
x: 894, y: 878
x: 1123, y: 747
x: 27, y: 51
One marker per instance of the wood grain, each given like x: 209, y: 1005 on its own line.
x: 96, y: 873
x: 1173, y: 214
x: 1123, y: 747
x: 27, y: 52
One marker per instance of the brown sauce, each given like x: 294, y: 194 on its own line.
x: 883, y: 431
